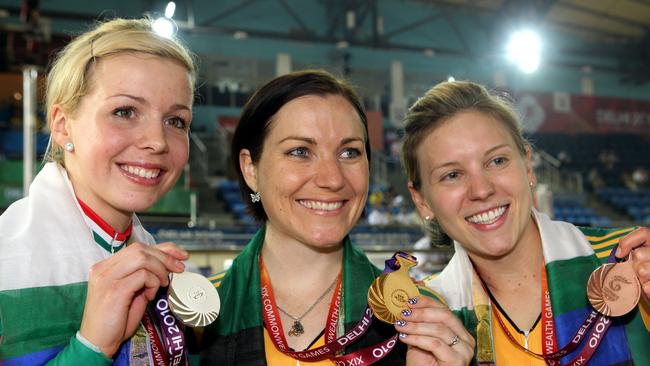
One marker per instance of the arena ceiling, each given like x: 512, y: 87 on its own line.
x: 587, y: 28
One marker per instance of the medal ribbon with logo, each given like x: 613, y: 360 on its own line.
x: 333, y: 345
x: 613, y: 290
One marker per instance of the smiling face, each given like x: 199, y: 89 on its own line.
x: 130, y: 134
x: 476, y: 183
x: 313, y: 172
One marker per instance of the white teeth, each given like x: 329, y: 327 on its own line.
x: 141, y: 172
x: 489, y: 217
x: 321, y: 206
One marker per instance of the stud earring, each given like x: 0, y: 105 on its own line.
x: 69, y: 146
x: 255, y: 197
x: 427, y: 218
x: 531, y: 184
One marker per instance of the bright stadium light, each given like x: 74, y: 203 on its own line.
x: 170, y: 9
x: 524, y: 49
x: 164, y: 26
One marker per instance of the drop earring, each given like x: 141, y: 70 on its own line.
x: 255, y: 197
x: 69, y: 146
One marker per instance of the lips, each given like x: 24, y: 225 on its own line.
x: 321, y: 205
x: 140, y: 171
x: 487, y: 217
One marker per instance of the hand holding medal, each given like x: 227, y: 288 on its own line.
x: 434, y: 334
x: 614, y: 289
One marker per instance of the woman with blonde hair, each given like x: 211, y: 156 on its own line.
x: 517, y: 280
x: 77, y: 269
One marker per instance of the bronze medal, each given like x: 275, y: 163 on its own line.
x: 614, y: 289
x: 389, y: 294
x: 193, y: 299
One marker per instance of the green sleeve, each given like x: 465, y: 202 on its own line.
x: 76, y: 353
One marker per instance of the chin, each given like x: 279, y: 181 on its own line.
x: 326, y: 242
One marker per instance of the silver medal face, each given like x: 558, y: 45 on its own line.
x: 193, y: 299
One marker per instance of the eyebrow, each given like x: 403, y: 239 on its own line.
x: 488, y: 152
x: 312, y: 141
x: 144, y: 101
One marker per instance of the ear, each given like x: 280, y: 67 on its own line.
x: 420, y: 204
x: 248, y: 169
x: 530, y: 172
x: 59, y: 127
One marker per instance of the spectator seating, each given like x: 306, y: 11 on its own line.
x: 635, y: 204
x: 228, y: 192
x: 572, y: 211
x: 584, y: 150
x: 11, y: 143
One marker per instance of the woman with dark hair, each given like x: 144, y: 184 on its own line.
x: 302, y: 155
x: 518, y: 280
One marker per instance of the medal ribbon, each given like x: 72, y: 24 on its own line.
x: 171, y: 330
x: 157, y: 351
x: 365, y: 356
x: 549, y: 342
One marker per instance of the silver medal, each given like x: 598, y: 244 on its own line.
x: 193, y: 299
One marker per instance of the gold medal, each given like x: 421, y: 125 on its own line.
x: 193, y: 299
x: 389, y: 294
x: 614, y: 289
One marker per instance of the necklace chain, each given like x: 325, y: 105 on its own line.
x: 320, y: 298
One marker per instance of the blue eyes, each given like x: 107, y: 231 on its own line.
x: 346, y: 154
x: 130, y: 113
x: 497, y: 162
x: 299, y: 152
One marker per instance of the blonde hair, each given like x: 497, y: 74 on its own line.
x: 69, y: 78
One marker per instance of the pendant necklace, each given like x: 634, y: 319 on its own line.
x: 297, y: 328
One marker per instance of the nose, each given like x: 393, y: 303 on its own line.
x: 153, y: 137
x: 329, y: 174
x: 480, y: 186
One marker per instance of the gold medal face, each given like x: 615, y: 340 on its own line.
x: 614, y: 289
x: 389, y: 294
x: 193, y: 299
x: 376, y: 300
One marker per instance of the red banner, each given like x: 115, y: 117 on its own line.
x: 565, y: 113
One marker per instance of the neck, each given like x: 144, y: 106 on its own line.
x: 520, y: 267
x: 117, y: 219
x: 290, y: 261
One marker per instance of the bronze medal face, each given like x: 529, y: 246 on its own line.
x: 614, y: 289
x: 193, y: 299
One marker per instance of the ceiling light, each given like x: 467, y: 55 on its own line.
x: 164, y: 27
x: 524, y: 49
x: 170, y: 9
